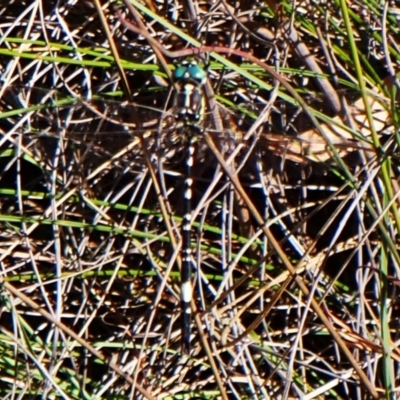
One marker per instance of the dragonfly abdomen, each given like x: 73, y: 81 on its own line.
x: 186, y: 284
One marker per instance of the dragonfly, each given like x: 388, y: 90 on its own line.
x: 98, y: 128
x: 190, y: 107
x: 93, y: 128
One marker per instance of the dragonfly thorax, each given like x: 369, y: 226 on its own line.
x: 189, y: 104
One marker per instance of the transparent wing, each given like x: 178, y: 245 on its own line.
x: 104, y: 139
x: 46, y: 113
x: 43, y: 125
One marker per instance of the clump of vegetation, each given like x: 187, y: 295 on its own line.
x: 295, y: 218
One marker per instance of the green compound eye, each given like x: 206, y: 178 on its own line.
x: 190, y: 71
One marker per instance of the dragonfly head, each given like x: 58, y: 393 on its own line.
x: 190, y: 71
